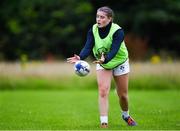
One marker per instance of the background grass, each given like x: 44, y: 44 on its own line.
x: 61, y: 76
x: 23, y: 110
x: 146, y: 82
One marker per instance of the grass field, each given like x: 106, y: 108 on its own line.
x: 49, y: 96
x: 60, y: 110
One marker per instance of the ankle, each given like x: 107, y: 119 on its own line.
x: 125, y: 114
x: 104, y: 119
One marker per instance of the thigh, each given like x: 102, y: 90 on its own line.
x: 122, y: 83
x: 104, y: 78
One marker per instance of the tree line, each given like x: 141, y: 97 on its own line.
x: 57, y: 28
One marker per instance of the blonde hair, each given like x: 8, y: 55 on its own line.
x: 109, y: 12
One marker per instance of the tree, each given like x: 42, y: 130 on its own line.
x: 153, y: 22
x: 42, y: 27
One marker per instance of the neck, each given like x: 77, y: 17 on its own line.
x: 103, y: 32
x: 106, y: 27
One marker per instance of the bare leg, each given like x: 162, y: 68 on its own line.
x: 122, y: 90
x: 104, y: 82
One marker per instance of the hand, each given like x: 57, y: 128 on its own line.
x: 100, y: 61
x: 73, y: 59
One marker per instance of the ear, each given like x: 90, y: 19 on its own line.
x: 110, y: 19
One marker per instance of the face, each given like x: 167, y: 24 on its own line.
x: 102, y: 19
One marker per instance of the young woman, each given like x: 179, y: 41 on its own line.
x: 106, y: 40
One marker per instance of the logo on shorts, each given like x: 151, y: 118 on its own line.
x: 122, y: 68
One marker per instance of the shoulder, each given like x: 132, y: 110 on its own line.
x: 116, y: 26
x: 90, y: 29
x: 94, y: 26
x: 90, y: 33
x: 119, y: 32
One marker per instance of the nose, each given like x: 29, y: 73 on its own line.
x: 98, y: 20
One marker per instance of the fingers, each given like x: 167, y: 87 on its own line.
x: 77, y: 57
x: 95, y: 62
x: 73, y: 59
x: 98, y: 61
x: 102, y: 57
x: 70, y: 59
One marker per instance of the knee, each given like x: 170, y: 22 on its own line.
x: 103, y: 92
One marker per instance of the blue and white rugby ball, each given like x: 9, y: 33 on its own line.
x: 81, y: 68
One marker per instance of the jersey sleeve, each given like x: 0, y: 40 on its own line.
x: 85, y: 52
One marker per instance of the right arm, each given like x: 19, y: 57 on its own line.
x: 86, y: 50
x: 88, y: 46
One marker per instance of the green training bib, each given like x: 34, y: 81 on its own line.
x: 104, y: 46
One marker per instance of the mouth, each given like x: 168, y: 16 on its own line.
x: 99, y: 24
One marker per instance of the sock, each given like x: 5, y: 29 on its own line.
x: 125, y: 114
x: 104, y: 119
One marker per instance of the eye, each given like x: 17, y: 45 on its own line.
x: 102, y: 17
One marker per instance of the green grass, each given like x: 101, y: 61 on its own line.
x: 146, y: 82
x: 65, y: 109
